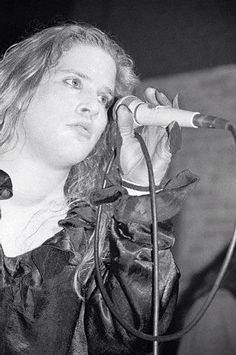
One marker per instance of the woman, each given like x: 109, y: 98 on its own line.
x: 56, y: 140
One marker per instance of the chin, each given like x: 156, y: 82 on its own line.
x: 74, y: 159
x: 75, y: 153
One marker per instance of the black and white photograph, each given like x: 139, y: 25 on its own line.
x: 117, y: 168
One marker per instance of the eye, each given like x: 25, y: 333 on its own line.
x: 74, y: 82
x: 105, y: 100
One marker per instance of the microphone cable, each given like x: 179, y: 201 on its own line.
x: 155, y: 338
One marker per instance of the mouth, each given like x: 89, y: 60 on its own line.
x: 83, y: 129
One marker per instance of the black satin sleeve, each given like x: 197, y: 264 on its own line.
x: 128, y: 274
x: 128, y: 280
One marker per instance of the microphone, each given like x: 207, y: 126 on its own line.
x: 149, y: 114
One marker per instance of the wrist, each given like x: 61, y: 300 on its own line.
x: 137, y: 189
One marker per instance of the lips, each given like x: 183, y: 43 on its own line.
x: 82, y: 128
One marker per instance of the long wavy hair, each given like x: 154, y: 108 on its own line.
x: 21, y: 70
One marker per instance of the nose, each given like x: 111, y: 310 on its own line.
x: 88, y: 105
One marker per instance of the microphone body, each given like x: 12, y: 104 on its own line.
x: 149, y: 114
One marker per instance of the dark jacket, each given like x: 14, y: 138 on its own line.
x: 40, y: 312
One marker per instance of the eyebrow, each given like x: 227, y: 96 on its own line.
x: 84, y: 76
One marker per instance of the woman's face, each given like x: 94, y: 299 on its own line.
x: 68, y: 112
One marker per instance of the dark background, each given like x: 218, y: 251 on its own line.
x: 163, y: 37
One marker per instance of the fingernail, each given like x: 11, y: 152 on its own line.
x: 158, y: 94
x: 154, y: 89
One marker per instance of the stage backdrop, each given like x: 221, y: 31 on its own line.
x: 207, y: 221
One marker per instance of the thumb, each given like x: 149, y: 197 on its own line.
x: 125, y: 122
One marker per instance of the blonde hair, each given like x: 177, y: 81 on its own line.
x: 24, y: 64
x: 21, y: 70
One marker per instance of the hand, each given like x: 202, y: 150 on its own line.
x: 161, y: 142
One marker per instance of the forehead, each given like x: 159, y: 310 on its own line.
x: 92, y: 61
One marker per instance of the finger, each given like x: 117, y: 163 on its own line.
x: 174, y: 137
x: 161, y: 158
x: 152, y: 135
x: 150, y: 96
x: 175, y: 103
x: 125, y: 122
x: 162, y: 98
x: 150, y: 139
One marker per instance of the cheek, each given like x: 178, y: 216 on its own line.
x: 101, y: 124
x: 105, y: 119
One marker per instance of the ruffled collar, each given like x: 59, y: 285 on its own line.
x: 80, y: 215
x: 6, y: 190
x: 125, y: 208
x: 26, y: 272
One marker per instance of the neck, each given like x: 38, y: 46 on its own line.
x: 34, y: 183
